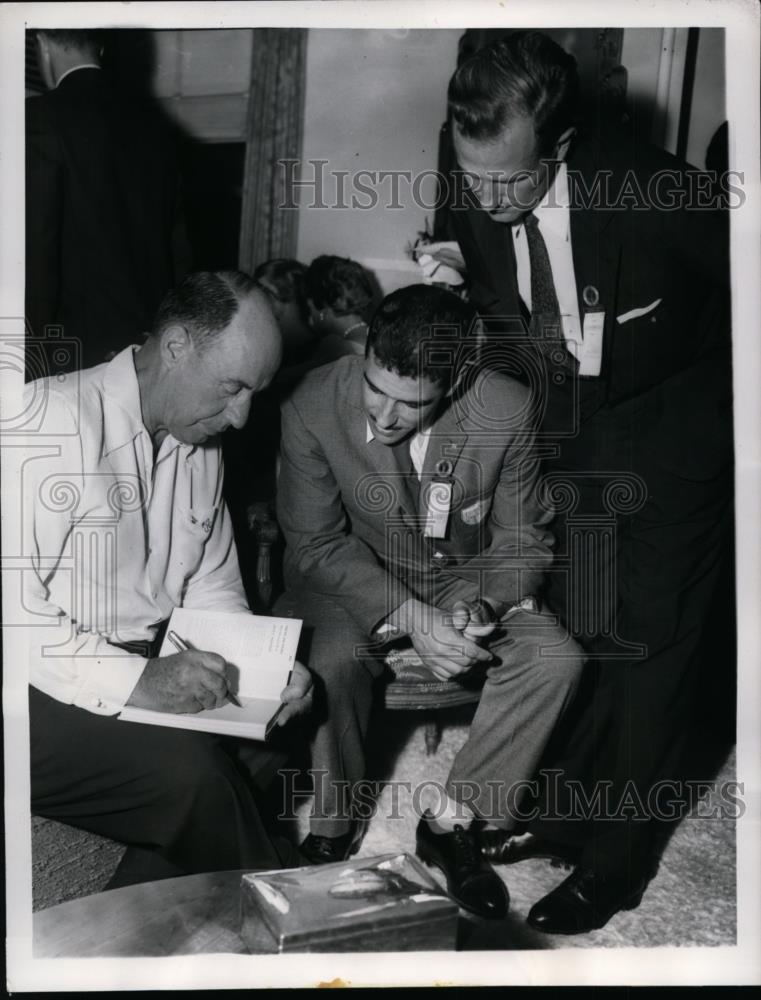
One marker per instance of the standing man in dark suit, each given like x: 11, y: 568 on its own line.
x: 613, y: 260
x: 407, y: 499
x: 101, y: 197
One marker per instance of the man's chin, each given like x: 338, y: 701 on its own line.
x: 510, y: 217
x: 391, y: 439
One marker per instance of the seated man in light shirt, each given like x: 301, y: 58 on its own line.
x: 127, y: 522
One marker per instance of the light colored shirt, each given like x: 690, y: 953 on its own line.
x: 116, y: 537
x: 418, y: 448
x: 554, y: 218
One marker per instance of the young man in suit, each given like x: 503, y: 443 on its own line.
x: 407, y: 496
x: 612, y: 259
x: 101, y: 199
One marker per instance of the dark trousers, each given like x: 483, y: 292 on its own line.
x: 662, y: 571
x: 183, y: 802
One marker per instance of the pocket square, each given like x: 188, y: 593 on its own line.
x: 636, y: 313
x: 476, y: 512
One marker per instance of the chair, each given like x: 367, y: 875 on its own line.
x: 414, y: 688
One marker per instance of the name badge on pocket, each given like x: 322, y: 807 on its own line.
x: 439, y: 506
x: 590, y: 360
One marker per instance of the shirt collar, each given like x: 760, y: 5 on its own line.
x: 552, y: 211
x: 121, y: 390
x: 74, y: 70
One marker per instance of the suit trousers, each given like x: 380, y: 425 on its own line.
x: 180, y: 800
x: 621, y: 760
x: 526, y: 690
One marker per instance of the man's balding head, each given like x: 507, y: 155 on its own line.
x: 215, y: 342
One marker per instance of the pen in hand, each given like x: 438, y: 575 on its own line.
x: 183, y: 646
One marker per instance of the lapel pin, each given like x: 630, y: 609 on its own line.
x: 444, y: 467
x: 590, y: 295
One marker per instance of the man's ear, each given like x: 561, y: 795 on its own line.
x: 564, y: 142
x: 176, y: 344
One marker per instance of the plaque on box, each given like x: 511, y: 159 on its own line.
x: 385, y: 903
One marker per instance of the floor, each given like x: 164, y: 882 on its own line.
x: 691, y: 901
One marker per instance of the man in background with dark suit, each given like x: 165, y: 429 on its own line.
x: 101, y: 198
x: 611, y: 258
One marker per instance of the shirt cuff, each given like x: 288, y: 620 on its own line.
x: 109, y: 682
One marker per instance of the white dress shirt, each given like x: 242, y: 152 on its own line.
x: 116, y: 537
x: 554, y: 218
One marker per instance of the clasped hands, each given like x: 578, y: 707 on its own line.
x: 193, y: 680
x: 447, y: 641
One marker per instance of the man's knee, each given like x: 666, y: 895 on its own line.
x: 540, y: 645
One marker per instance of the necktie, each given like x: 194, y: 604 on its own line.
x: 545, y: 325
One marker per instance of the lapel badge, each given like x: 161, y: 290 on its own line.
x: 591, y: 296
x: 444, y: 468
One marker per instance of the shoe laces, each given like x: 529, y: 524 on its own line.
x: 583, y: 881
x: 466, y: 849
x: 323, y: 845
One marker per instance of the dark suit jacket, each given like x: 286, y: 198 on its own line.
x: 674, y: 359
x: 101, y: 200
x: 352, y: 511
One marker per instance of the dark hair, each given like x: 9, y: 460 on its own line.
x: 282, y: 278
x: 90, y: 41
x: 339, y: 284
x: 526, y: 75
x: 205, y: 302
x: 404, y: 328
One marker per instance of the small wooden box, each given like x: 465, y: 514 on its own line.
x: 385, y: 903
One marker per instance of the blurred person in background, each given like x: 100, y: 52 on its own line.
x: 101, y: 205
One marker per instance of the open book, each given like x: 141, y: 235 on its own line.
x: 260, y: 653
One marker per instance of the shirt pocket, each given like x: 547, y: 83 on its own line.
x: 197, y: 521
x: 193, y: 528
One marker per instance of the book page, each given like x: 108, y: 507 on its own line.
x: 260, y: 650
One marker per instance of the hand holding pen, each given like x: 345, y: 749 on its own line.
x: 187, y: 681
x: 183, y: 646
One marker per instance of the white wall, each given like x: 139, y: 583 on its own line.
x: 655, y: 67
x: 709, y: 94
x: 375, y: 100
x: 202, y: 79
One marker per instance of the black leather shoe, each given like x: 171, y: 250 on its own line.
x: 319, y: 850
x: 471, y: 880
x: 502, y: 847
x: 583, y: 902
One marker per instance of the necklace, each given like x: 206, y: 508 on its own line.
x: 354, y: 326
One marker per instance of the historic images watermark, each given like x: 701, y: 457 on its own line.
x: 311, y: 184
x: 549, y: 796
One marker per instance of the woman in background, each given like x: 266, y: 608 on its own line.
x: 339, y: 298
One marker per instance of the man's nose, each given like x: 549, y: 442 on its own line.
x: 385, y: 415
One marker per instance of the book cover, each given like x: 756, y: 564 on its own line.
x: 385, y: 903
x: 260, y: 651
